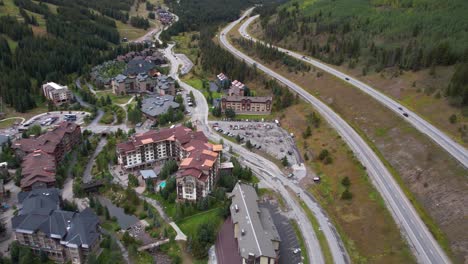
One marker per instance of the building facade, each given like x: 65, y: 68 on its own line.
x: 57, y: 93
x: 41, y: 155
x: 153, y: 83
x: 199, y: 159
x: 64, y: 236
x: 247, y: 105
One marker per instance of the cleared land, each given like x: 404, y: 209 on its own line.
x: 416, y: 161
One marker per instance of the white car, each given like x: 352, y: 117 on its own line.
x: 296, y: 250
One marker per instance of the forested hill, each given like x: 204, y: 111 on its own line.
x: 76, y: 36
x: 374, y: 34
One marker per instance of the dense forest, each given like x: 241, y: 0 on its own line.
x: 206, y: 16
x: 76, y: 39
x: 272, y: 54
x: 408, y: 34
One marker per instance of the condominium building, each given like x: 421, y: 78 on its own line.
x: 199, y: 159
x: 249, y: 236
x: 41, y: 155
x: 57, y: 93
x: 64, y: 236
x: 253, y: 105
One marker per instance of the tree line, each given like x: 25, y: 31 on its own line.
x: 374, y: 34
x: 77, y: 39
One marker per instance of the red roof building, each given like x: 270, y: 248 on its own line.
x: 199, y: 159
x: 41, y: 155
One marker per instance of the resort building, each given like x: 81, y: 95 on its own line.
x: 252, y: 105
x: 249, y: 235
x: 154, y: 106
x: 57, y: 93
x: 64, y: 236
x: 199, y: 159
x: 41, y: 155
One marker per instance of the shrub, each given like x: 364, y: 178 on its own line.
x: 346, y: 195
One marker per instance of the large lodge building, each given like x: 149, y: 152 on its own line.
x: 199, y: 159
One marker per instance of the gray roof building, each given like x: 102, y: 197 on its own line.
x: 138, y: 65
x: 165, y: 82
x: 256, y: 235
x: 41, y: 212
x: 156, y: 105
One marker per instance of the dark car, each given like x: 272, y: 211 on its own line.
x: 405, y: 114
x: 346, y: 78
x: 401, y: 108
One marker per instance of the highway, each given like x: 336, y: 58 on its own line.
x: 271, y: 176
x: 456, y: 150
x: 422, y: 243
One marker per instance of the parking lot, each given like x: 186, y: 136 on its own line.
x: 289, y: 253
x: 264, y: 136
x: 52, y: 118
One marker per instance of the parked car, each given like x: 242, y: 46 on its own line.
x: 296, y: 250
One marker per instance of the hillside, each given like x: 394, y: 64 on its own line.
x: 53, y: 40
x: 375, y: 35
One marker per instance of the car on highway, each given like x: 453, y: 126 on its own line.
x: 401, y: 108
x: 405, y: 114
x: 346, y: 78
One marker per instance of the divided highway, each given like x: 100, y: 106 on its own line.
x: 272, y: 177
x: 423, y: 244
x: 456, y: 150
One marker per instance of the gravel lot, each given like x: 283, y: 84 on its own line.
x: 265, y: 136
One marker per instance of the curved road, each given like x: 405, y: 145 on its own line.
x: 456, y: 150
x: 273, y: 177
x: 423, y: 244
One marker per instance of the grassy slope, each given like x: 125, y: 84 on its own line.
x: 409, y: 152
x: 388, y: 26
x: 368, y: 230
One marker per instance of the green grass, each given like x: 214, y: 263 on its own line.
x: 116, y: 99
x: 198, y: 84
x: 279, y: 198
x: 53, y: 8
x: 425, y: 217
x: 186, y: 46
x: 9, y: 8
x: 189, y: 224
x: 8, y: 123
x: 129, y: 32
x: 300, y: 238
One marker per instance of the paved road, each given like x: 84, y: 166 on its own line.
x: 87, y: 177
x: 423, y: 244
x: 200, y: 118
x: 451, y: 146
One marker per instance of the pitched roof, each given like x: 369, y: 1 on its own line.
x: 157, y: 105
x: 255, y: 235
x: 41, y: 212
x: 48, y: 141
x: 83, y: 230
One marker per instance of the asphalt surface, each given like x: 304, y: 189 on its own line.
x: 456, y: 150
x: 270, y: 174
x: 422, y: 243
